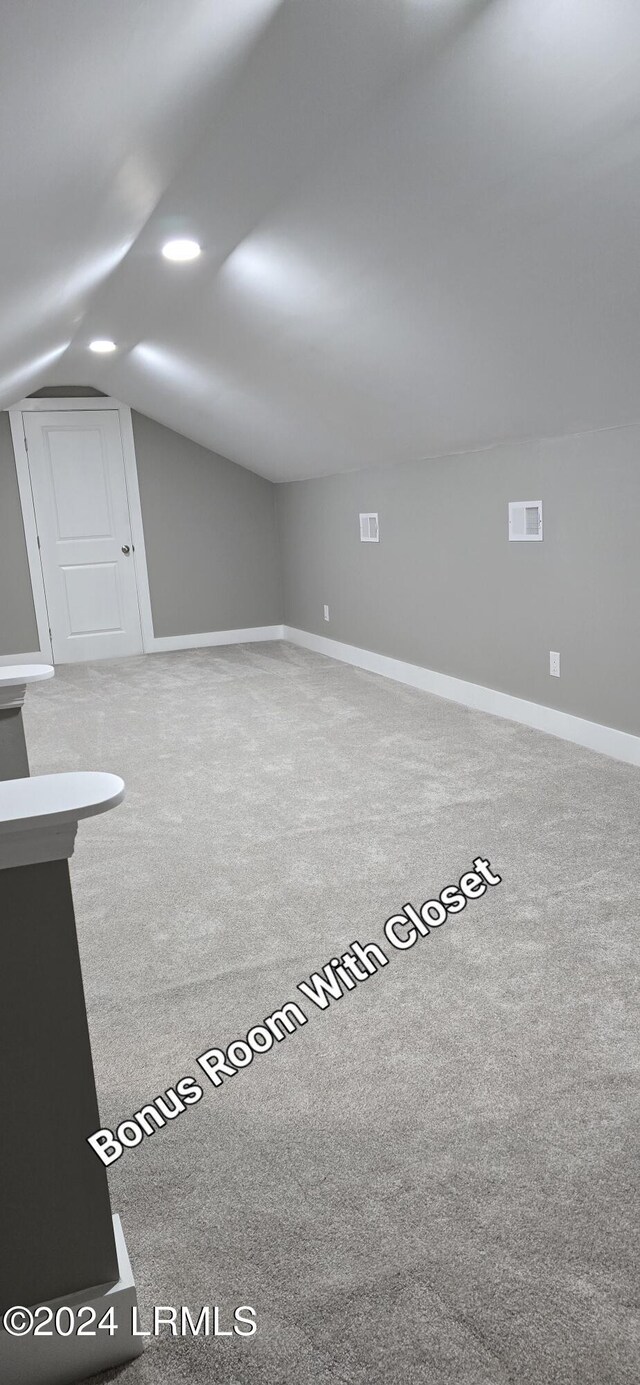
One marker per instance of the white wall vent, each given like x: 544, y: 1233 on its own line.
x: 369, y: 529
x: 525, y: 520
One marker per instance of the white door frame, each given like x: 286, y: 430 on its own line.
x: 70, y: 405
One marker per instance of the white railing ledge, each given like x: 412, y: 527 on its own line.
x: 39, y: 816
x: 14, y: 679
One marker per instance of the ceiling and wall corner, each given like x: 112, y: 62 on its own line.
x: 417, y: 219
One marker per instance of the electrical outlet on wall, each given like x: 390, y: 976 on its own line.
x: 554, y: 663
x: 326, y: 612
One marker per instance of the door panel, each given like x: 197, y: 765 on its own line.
x: 93, y: 598
x: 82, y: 513
x: 80, y: 483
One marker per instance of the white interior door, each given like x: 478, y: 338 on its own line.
x: 84, y: 529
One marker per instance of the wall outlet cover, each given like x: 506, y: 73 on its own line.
x: 554, y: 663
x: 326, y: 612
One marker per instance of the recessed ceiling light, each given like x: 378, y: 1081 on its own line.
x: 181, y: 250
x: 102, y: 345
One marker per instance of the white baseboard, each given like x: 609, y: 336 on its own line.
x: 606, y: 739
x: 162, y: 643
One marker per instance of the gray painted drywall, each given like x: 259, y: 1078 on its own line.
x: 57, y: 1231
x: 14, y: 761
x: 18, y: 629
x: 445, y: 588
x: 210, y: 536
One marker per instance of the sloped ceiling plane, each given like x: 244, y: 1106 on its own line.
x: 418, y: 219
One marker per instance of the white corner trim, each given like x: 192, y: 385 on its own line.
x: 161, y: 644
x: 31, y: 538
x: 621, y: 745
x: 39, y: 816
x: 12, y: 695
x: 14, y: 679
x: 137, y: 527
x: 24, y: 673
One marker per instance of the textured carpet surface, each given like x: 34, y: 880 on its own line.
x: 436, y: 1179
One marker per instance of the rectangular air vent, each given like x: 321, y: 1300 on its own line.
x: 369, y: 529
x: 525, y: 520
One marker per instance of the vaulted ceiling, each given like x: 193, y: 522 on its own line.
x: 419, y: 218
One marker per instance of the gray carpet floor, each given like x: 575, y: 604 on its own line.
x: 435, y: 1180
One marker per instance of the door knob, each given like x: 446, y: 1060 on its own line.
x: 125, y: 548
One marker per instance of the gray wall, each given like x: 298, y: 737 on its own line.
x: 57, y: 1231
x: 18, y: 629
x: 210, y: 536
x: 445, y: 589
